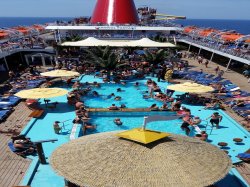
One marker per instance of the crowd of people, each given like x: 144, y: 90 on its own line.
x: 240, y: 50
x: 34, y: 42
x: 137, y: 68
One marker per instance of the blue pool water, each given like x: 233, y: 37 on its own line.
x: 43, y: 129
x: 130, y: 95
x: 105, y: 122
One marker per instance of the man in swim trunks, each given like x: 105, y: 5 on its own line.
x: 186, y: 122
x: 215, y: 119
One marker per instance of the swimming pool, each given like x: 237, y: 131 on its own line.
x: 130, y: 95
x: 105, y: 122
x: 43, y: 129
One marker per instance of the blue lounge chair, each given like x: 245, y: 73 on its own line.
x: 202, y: 79
x: 244, y: 156
x: 246, y: 107
x: 4, y: 114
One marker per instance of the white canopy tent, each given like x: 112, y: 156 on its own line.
x: 91, y: 42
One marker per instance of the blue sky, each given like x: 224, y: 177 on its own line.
x: 202, y: 9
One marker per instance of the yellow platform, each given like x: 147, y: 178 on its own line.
x: 142, y: 136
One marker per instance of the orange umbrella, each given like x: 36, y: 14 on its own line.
x: 206, y: 32
x: 38, y: 27
x: 3, y: 34
x: 231, y: 37
x: 24, y: 30
x: 247, y: 41
x: 189, y: 29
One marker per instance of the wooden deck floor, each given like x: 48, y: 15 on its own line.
x: 244, y: 169
x: 12, y: 166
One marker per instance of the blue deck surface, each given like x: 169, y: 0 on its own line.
x: 43, y: 129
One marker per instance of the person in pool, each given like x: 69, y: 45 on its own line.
x: 185, y: 124
x: 95, y: 93
x: 119, y: 90
x: 215, y: 119
x: 113, y: 107
x: 110, y: 96
x: 123, y: 106
x: 118, y: 121
x: 118, y: 98
x: 57, y: 128
x: 164, y: 107
x: 88, y: 126
x: 154, y: 107
x: 136, y: 84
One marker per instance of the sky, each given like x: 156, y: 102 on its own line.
x: 198, y: 9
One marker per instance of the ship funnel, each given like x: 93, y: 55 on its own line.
x: 115, y: 12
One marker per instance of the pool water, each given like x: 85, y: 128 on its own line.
x: 42, y: 129
x: 105, y: 122
x: 130, y: 95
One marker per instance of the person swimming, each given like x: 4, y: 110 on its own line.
x: 118, y: 121
x: 118, y: 98
x: 110, y: 96
x: 95, y: 93
x: 119, y: 90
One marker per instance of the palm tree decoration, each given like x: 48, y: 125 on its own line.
x: 157, y: 57
x: 159, y: 38
x: 73, y: 38
x: 106, y: 59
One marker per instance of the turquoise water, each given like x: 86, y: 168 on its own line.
x: 105, y: 122
x: 42, y: 129
x: 130, y: 95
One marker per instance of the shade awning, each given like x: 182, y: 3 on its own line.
x: 92, y: 42
x: 60, y: 73
x: 191, y: 87
x: 38, y: 93
x: 105, y: 160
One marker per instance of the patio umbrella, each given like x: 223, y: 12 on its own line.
x: 60, y: 73
x: 191, y: 87
x: 38, y: 93
x: 103, y: 159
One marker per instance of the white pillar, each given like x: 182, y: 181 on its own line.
x: 212, y: 57
x: 6, y: 64
x: 59, y: 37
x: 228, y: 64
x: 199, y: 52
x: 51, y: 60
x: 189, y: 47
x: 144, y: 123
x: 27, y: 60
x: 43, y: 60
x: 55, y: 36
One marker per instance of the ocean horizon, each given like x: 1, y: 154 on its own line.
x: 241, y: 26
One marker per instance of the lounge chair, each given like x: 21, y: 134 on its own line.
x: 244, y: 156
x: 209, y: 77
x: 4, y: 114
x: 12, y: 100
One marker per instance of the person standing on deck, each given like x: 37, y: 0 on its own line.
x: 217, y: 69
x: 206, y: 63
